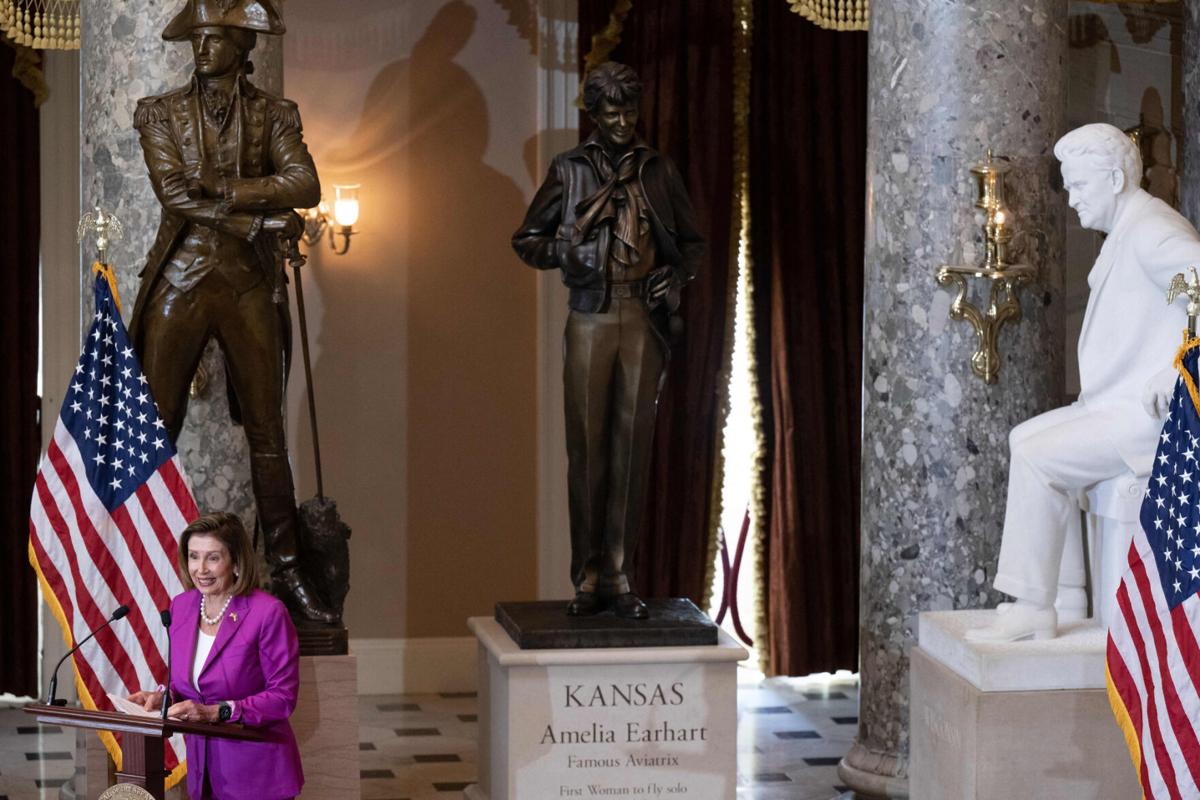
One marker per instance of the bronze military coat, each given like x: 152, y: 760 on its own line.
x: 274, y: 173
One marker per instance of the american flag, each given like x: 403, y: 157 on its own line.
x: 108, y: 506
x: 1153, y: 655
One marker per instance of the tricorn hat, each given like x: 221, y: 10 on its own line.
x: 259, y: 16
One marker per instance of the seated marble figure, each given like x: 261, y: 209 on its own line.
x: 1126, y: 347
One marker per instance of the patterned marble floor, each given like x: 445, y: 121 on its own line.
x: 791, y: 735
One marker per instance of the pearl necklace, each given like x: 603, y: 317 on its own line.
x: 221, y: 613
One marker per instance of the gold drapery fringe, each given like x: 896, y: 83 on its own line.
x: 604, y: 42
x: 837, y: 15
x: 41, y: 24
x: 27, y: 68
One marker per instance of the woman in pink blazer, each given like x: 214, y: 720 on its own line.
x: 234, y: 658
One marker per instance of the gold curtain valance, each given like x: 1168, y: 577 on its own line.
x: 837, y: 15
x: 41, y: 24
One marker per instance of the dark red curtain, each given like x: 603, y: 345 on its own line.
x: 19, y: 434
x: 683, y: 52
x: 808, y: 132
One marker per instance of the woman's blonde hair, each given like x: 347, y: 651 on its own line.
x: 227, y: 529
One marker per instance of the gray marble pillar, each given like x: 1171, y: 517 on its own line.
x: 123, y: 58
x: 948, y: 79
x: 1189, y: 149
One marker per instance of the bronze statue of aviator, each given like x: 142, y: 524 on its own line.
x: 228, y: 163
x: 614, y: 218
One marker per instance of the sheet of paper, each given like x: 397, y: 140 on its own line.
x: 133, y: 709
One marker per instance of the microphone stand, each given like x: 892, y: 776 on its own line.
x: 165, y: 615
x: 50, y: 699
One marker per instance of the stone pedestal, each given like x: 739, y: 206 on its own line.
x: 645, y: 722
x: 1026, y: 719
x: 948, y: 80
x: 326, y: 727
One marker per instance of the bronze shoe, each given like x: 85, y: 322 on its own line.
x: 294, y: 591
x: 585, y: 604
x: 630, y: 606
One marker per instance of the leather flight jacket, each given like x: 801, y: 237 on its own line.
x: 544, y: 239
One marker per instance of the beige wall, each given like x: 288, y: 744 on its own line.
x: 424, y: 335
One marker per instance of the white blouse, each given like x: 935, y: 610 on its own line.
x: 203, y: 646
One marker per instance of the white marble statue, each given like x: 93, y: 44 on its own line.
x: 1129, y: 339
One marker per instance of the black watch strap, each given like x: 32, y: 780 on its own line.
x: 224, y: 712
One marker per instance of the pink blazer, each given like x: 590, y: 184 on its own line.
x: 254, y: 663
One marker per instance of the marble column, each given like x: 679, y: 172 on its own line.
x: 1189, y: 147
x: 123, y: 58
x: 948, y: 79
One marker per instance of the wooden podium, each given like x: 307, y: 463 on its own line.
x: 143, y: 738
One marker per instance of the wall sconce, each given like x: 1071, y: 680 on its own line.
x: 996, y: 267
x: 338, y: 221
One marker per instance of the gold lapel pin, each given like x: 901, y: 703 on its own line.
x: 233, y: 616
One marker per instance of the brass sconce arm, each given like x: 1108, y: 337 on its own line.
x: 1003, y: 307
x: 1004, y: 276
x: 318, y: 224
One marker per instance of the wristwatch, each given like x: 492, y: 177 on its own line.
x: 224, y: 712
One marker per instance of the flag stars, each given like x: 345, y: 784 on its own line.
x: 143, y: 398
x: 158, y: 443
x: 115, y: 483
x: 1178, y: 586
x: 1186, y: 477
x: 1162, y: 481
x: 1166, y: 437
x: 98, y: 458
x: 76, y: 407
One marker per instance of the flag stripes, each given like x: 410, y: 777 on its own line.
x: 109, y: 503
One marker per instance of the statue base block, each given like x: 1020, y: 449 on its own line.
x: 544, y: 625
x: 322, y: 640
x: 326, y: 727
x: 643, y: 722
x: 1021, y: 719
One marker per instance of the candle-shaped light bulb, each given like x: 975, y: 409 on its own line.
x: 345, y: 204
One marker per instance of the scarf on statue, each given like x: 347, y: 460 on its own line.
x: 614, y: 203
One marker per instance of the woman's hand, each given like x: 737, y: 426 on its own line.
x: 188, y: 711
x: 150, y: 701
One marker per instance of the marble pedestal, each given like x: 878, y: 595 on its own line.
x: 645, y: 722
x: 1026, y: 719
x: 326, y: 727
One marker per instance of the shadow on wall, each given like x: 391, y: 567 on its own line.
x: 448, y: 363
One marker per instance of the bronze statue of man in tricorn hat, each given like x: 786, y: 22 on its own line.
x: 228, y: 163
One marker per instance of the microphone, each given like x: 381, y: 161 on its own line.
x: 116, y: 615
x: 165, y: 615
